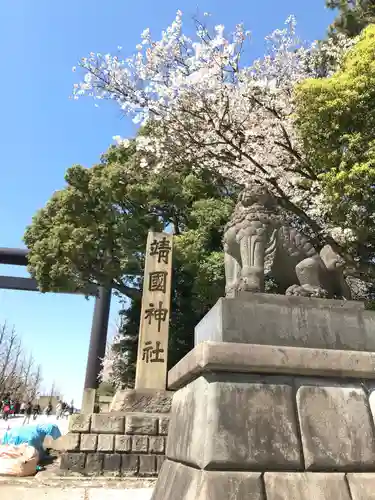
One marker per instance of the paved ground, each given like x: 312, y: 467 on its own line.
x: 47, y: 486
x: 67, y: 493
x: 17, y: 421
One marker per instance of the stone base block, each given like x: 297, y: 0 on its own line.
x: 289, y: 321
x: 112, y: 464
x: 177, y: 481
x: 142, y: 401
x: 306, y: 486
x: 94, y: 464
x: 73, y: 462
x: 336, y: 428
x: 226, y: 421
x: 362, y: 486
x: 222, y: 422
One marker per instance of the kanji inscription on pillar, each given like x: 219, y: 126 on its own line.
x: 152, y: 357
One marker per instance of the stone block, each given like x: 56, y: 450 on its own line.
x: 163, y: 426
x: 139, y: 424
x: 289, y: 321
x: 106, y: 442
x: 88, y: 442
x: 272, y: 360
x: 177, y: 481
x: 129, y: 465
x: 218, y: 424
x: 140, y: 444
x: 73, y: 462
x: 160, y: 459
x: 147, y: 465
x: 362, y: 486
x: 67, y: 442
x: 79, y: 422
x: 228, y: 484
x: 94, y: 463
x: 70, y: 442
x: 123, y: 444
x: 112, y: 464
x: 157, y: 444
x: 105, y: 423
x: 142, y: 401
x: 336, y: 428
x: 306, y: 486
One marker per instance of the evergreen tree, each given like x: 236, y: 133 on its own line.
x: 353, y: 15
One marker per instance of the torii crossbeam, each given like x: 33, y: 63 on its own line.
x: 99, y: 329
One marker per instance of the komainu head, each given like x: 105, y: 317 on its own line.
x: 256, y: 194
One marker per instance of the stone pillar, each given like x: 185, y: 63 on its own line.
x: 150, y: 394
x: 281, y: 409
x: 152, y: 358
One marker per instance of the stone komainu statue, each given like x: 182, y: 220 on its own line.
x: 258, y: 241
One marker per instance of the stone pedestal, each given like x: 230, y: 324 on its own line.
x: 146, y: 401
x: 290, y: 321
x: 274, y: 422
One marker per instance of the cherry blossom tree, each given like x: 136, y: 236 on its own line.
x: 205, y: 105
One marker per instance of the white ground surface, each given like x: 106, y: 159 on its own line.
x: 40, y: 493
x: 17, y: 421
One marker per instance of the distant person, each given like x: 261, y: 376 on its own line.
x: 23, y: 408
x: 71, y: 407
x: 6, y: 410
x: 65, y: 410
x: 12, y: 406
x: 59, y: 410
x: 49, y: 409
x: 36, y: 411
x: 5, y: 406
x: 28, y: 412
x: 17, y: 407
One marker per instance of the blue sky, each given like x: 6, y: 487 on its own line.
x: 42, y: 133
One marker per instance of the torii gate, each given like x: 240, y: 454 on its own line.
x: 99, y: 328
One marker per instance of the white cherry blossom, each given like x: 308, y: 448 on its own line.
x: 206, y: 105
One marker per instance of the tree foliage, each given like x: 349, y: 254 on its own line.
x: 353, y: 15
x: 19, y: 375
x: 198, y: 273
x: 90, y: 231
x: 335, y: 118
x: 95, y: 230
x: 210, y: 108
